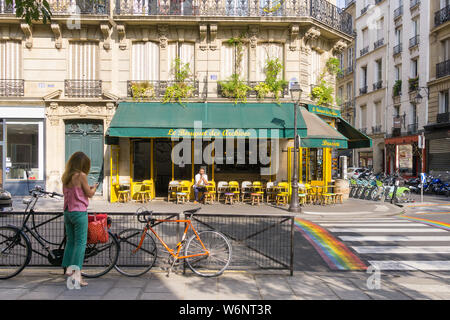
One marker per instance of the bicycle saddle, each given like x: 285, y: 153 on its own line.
x: 192, y: 211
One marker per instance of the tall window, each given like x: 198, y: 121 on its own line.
x: 377, y: 111
x: 83, y: 60
x: 363, y: 118
x: 398, y: 72
x: 445, y: 50
x: 444, y: 102
x: 363, y: 77
x: 415, y: 27
x: 414, y: 68
x: 315, y: 66
x: 379, y: 70
x: 10, y: 60
x: 349, y: 91
x: 185, y: 51
x: 350, y: 57
x: 398, y: 36
x: 412, y: 113
x: 264, y: 52
x: 380, y: 29
x: 365, y: 37
x: 229, y: 59
x: 145, y: 61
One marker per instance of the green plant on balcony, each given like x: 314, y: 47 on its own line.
x: 322, y: 93
x: 180, y: 89
x: 413, y: 84
x: 272, y: 85
x: 141, y: 91
x: 397, y: 88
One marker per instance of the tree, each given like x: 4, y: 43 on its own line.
x: 31, y: 10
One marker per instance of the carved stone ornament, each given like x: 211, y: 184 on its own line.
x: 294, y: 30
x: 56, y: 29
x: 313, y: 33
x: 122, y: 36
x: 163, y: 33
x: 253, y: 33
x: 203, y: 28
x: 339, y: 46
x: 26, y: 29
x: 106, y: 31
x: 213, y: 36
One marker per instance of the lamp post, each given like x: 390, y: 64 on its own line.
x: 296, y: 93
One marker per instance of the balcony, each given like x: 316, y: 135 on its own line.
x: 83, y: 88
x: 413, y: 128
x: 349, y: 70
x: 378, y: 85
x: 157, y: 89
x: 398, y: 49
x: 398, y: 12
x: 413, y: 84
x: 364, y: 51
x: 364, y: 10
x: 414, y: 3
x: 252, y: 93
x: 378, y: 43
x: 443, y: 117
x: 443, y: 69
x: 376, y: 129
x: 414, y: 41
x: 442, y: 16
x: 363, y: 90
x: 68, y: 7
x: 11, y: 87
x: 363, y: 130
x: 321, y: 10
x: 396, y: 132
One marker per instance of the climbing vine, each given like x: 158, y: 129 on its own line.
x: 180, y: 89
x: 322, y: 93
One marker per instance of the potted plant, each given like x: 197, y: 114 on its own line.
x: 181, y: 89
x: 142, y: 90
x: 397, y: 88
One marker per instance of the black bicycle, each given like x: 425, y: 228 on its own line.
x: 16, y: 248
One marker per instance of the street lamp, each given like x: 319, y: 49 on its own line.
x: 296, y: 93
x: 418, y: 98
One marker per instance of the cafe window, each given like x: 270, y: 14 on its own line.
x: 141, y: 160
x: 24, y: 150
x: 316, y: 164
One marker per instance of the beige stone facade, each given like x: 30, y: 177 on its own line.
x: 78, y: 67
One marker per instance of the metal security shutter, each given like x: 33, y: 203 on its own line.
x: 10, y: 60
x: 83, y: 60
x: 145, y: 61
x: 439, y: 154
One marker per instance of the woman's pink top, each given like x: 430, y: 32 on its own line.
x: 75, y: 199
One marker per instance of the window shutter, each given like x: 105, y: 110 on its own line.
x: 83, y: 61
x: 10, y: 60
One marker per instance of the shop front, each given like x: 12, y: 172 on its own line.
x: 438, y: 147
x: 152, y: 144
x: 404, y: 156
x: 22, y: 148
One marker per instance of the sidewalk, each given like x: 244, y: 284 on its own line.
x: 50, y: 284
x: 350, y: 207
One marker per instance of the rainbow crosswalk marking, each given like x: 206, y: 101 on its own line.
x: 337, y: 255
x: 433, y: 223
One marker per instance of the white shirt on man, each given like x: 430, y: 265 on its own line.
x: 198, y: 181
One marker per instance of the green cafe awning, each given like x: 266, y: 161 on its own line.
x: 216, y: 120
x: 320, y: 133
x: 356, y: 139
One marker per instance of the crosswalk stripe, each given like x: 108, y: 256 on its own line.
x: 391, y: 265
x: 373, y: 225
x: 387, y: 230
x: 394, y: 238
x: 401, y: 249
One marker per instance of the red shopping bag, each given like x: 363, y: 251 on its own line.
x: 97, y: 228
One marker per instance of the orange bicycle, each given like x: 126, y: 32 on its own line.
x: 207, y: 253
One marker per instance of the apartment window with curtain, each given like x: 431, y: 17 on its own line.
x: 379, y: 70
x: 414, y: 68
x: 444, y: 102
x: 145, y: 61
x: 349, y: 91
x: 83, y: 60
x: 377, y: 111
x: 228, y: 62
x: 380, y: 29
x: 412, y: 113
x: 185, y: 51
x: 363, y: 117
x: 398, y: 36
x: 267, y: 51
x: 10, y: 57
x: 398, y: 72
x: 445, y: 53
x: 315, y: 66
x: 350, y: 57
x: 365, y: 37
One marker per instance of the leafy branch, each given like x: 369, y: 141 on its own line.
x: 180, y: 89
x: 31, y: 10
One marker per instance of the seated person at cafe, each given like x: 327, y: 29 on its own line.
x: 201, y: 180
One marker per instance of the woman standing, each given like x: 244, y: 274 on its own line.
x: 76, y: 193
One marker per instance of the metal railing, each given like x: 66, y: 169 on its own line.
x: 398, y: 48
x: 376, y: 129
x: 442, y: 16
x: 258, y: 241
x: 378, y: 85
x: 75, y: 88
x: 67, y: 7
x: 363, y: 51
x: 398, y: 12
x: 378, y: 43
x: 363, y: 90
x: 413, y: 128
x: 321, y: 10
x: 414, y: 41
x: 157, y: 89
x: 413, y: 84
x: 443, y: 69
x: 413, y: 3
x: 363, y: 130
x: 364, y: 10
x: 443, y: 117
x: 12, y: 87
x: 349, y: 70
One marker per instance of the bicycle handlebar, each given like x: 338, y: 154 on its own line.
x: 43, y: 192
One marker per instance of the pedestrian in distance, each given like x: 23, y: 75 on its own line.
x: 76, y: 200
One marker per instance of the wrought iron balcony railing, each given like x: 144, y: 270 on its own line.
x: 413, y: 3
x: 398, y: 12
x: 398, y: 49
x: 414, y: 41
x: 364, y: 10
x: 67, y: 7
x: 378, y: 43
x: 443, y: 69
x: 378, y: 85
x: 349, y: 70
x: 364, y: 51
x: 413, y: 128
x: 442, y: 16
x: 363, y: 90
x: 443, y: 117
x: 396, y: 132
x: 363, y: 130
x: 12, y: 87
x: 413, y: 84
x: 376, y: 129
x: 75, y: 88
x: 321, y: 10
x: 157, y: 88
